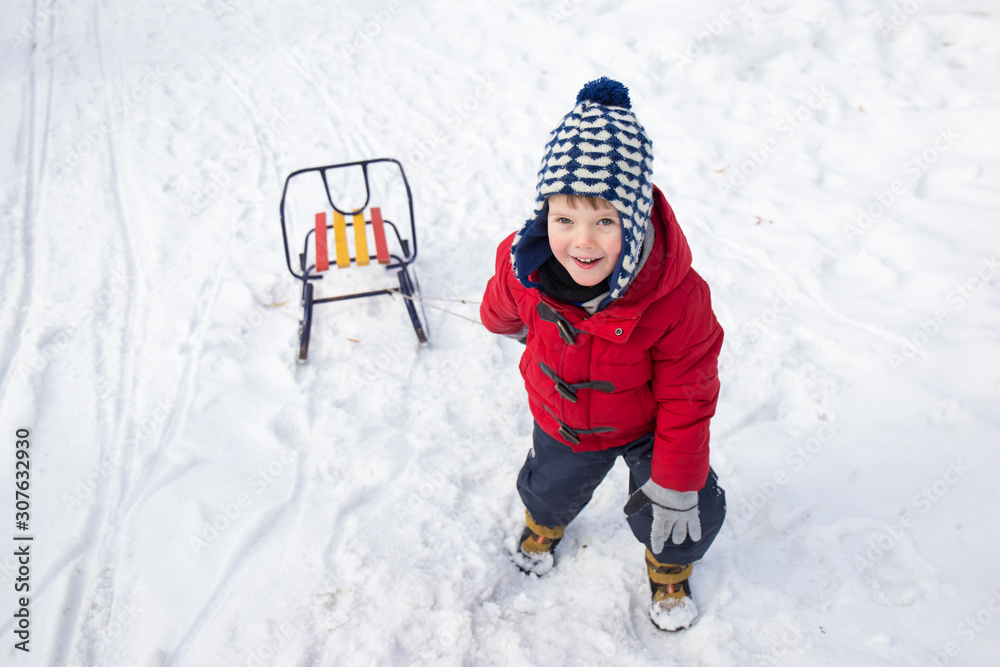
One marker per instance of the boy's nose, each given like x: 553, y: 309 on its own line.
x: 583, y: 236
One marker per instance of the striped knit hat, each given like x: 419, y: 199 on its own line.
x: 598, y: 150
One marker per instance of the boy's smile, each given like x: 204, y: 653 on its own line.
x: 587, y: 241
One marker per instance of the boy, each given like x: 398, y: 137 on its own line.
x: 621, y: 349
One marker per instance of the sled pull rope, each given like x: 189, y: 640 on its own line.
x: 437, y: 298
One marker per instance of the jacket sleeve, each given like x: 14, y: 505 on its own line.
x: 498, y: 311
x: 686, y: 388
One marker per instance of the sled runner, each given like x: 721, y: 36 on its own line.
x: 328, y: 247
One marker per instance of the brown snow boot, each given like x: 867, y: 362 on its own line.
x: 672, y: 607
x: 534, y: 553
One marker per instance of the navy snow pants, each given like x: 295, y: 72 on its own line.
x: 556, y: 483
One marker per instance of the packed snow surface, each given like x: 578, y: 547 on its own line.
x: 199, y: 498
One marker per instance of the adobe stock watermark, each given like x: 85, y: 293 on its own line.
x: 796, y: 458
x: 698, y: 44
x: 375, y: 366
x: 55, y: 346
x: 241, y: 337
x: 968, y: 629
x: 900, y: 15
x: 86, y: 487
x: 453, y: 117
x: 220, y: 179
x: 958, y: 297
x: 228, y: 512
x: 883, y: 541
x: 435, y: 483
x: 115, y: 630
x: 45, y: 12
x: 370, y: 28
x: 913, y: 169
x: 83, y: 148
x: 787, y: 126
x: 264, y: 653
x: 784, y: 639
x: 445, y: 642
x: 224, y: 7
x: 471, y: 449
x: 561, y: 11
x: 754, y: 328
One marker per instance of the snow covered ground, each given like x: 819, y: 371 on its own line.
x: 196, y: 498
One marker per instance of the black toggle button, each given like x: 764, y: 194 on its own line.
x: 566, y: 331
x: 566, y: 392
x: 569, y: 435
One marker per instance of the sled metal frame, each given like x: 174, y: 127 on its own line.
x: 307, y: 274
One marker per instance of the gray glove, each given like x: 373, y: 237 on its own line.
x: 674, y: 512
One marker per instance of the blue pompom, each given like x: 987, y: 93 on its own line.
x: 605, y: 91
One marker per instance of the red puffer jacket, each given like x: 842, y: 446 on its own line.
x: 647, y: 360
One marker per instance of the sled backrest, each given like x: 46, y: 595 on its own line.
x: 343, y: 255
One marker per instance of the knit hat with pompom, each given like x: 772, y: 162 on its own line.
x: 599, y: 150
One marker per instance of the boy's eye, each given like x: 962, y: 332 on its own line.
x: 606, y: 221
x: 564, y: 221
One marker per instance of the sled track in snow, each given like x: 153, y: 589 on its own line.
x: 102, y: 551
x: 35, y: 162
x: 33, y: 179
x: 183, y: 396
x: 269, y: 523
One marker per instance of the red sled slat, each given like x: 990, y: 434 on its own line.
x: 322, y: 254
x: 378, y: 227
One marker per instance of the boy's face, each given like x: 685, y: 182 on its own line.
x: 586, y: 241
